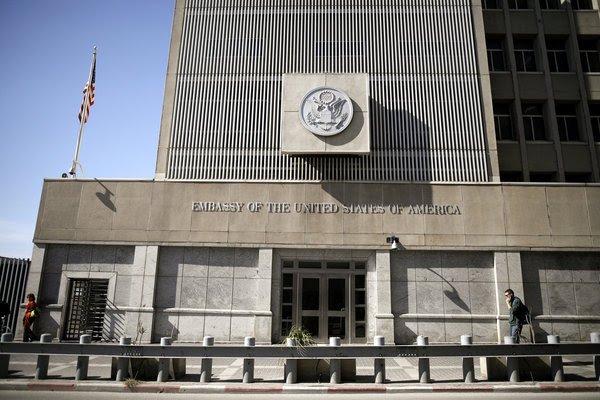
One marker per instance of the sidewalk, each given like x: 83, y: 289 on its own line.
x: 401, y: 374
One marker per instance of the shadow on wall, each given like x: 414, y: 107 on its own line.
x: 114, y: 323
x: 105, y: 197
x: 401, y: 151
x: 164, y: 328
x: 452, y: 294
x: 428, y: 285
x: 46, y: 324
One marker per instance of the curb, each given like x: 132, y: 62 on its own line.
x: 297, y: 388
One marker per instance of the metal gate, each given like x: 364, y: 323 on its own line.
x: 13, y: 277
x: 87, y: 304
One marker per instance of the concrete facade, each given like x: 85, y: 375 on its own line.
x: 235, y: 236
x: 484, y: 239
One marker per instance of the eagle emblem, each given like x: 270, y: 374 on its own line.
x: 326, y: 111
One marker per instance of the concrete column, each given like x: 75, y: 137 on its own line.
x: 248, y: 372
x: 41, y: 370
x: 34, y: 280
x: 5, y: 358
x: 556, y: 363
x: 123, y: 362
x: 379, y: 365
x: 486, y: 92
x: 142, y: 292
x: 169, y: 95
x: 291, y: 364
x: 467, y: 362
x: 335, y: 364
x: 384, y: 319
x: 81, y: 373
x: 163, y: 363
x: 508, y: 274
x: 512, y: 363
x: 424, y: 372
x: 206, y: 365
x: 264, y: 323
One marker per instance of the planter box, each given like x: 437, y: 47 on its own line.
x: 317, y: 370
x: 146, y: 369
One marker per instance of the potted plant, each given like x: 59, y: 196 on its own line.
x: 315, y: 370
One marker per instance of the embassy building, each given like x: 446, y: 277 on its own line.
x: 356, y: 167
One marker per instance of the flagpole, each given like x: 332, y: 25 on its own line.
x: 73, y: 171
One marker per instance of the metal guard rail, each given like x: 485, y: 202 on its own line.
x: 277, y: 351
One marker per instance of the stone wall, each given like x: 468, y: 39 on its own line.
x: 130, y: 272
x: 504, y: 217
x: 220, y: 292
x: 562, y: 291
x: 443, y: 295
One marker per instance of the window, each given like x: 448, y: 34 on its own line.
x: 550, y: 4
x: 595, y: 116
x: 491, y: 4
x: 503, y: 121
x: 495, y: 53
x: 588, y: 51
x: 525, y: 55
x: 542, y: 176
x: 533, y: 122
x: 511, y: 176
x: 557, y: 55
x: 566, y: 118
x: 581, y: 4
x: 517, y: 4
x: 577, y: 177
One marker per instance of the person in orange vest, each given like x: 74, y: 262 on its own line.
x: 32, y: 312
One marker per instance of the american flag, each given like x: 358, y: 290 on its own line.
x: 89, y: 95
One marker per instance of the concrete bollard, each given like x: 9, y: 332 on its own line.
x: 83, y: 362
x: 5, y: 358
x: 595, y: 337
x: 123, y: 362
x: 556, y: 363
x: 467, y: 362
x: 163, y: 363
x: 335, y: 364
x: 248, y: 371
x: 41, y: 370
x: 512, y: 363
x: 206, y: 366
x: 424, y: 371
x: 291, y: 364
x: 379, y: 365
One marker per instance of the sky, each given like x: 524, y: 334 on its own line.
x: 46, y: 51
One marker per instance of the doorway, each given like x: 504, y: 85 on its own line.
x: 325, y: 298
x: 86, y: 308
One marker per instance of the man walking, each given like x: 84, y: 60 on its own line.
x: 518, y: 314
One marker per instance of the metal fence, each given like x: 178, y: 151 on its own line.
x: 125, y: 351
x: 13, y: 277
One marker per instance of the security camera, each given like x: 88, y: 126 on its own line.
x: 394, y: 241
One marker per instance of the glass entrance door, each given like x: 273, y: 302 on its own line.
x: 327, y: 298
x: 311, y: 305
x: 337, y: 307
x: 324, y: 306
